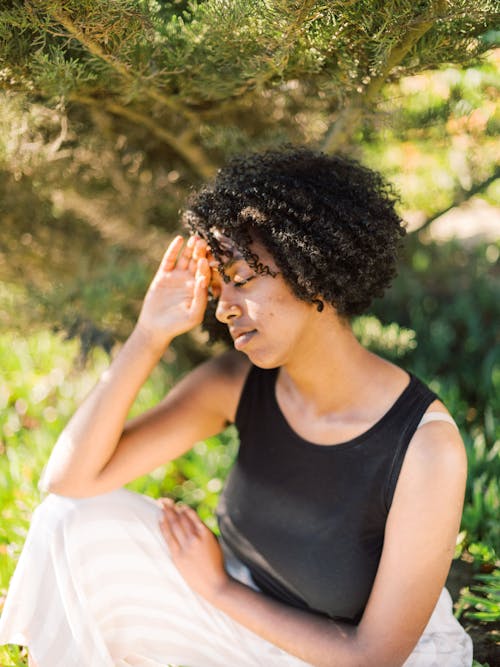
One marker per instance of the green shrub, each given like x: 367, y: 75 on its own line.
x: 438, y: 321
x: 449, y: 296
x: 482, y: 601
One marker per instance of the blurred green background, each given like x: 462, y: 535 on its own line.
x: 112, y: 112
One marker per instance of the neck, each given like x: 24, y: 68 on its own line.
x: 330, y: 367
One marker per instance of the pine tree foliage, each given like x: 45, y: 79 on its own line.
x: 111, y: 110
x: 173, y: 68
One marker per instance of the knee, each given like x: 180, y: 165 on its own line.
x: 56, y: 511
x: 52, y: 513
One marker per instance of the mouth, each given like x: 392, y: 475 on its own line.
x: 241, y: 339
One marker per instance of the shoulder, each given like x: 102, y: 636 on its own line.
x: 439, y: 440
x: 420, y: 533
x: 436, y: 456
x: 231, y: 365
x: 218, y: 382
x: 229, y: 369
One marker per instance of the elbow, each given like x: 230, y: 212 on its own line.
x: 62, y: 477
x: 61, y: 485
x: 68, y: 490
x: 58, y: 487
x: 48, y: 483
x: 52, y: 481
x: 367, y: 660
x: 362, y: 651
x: 368, y: 655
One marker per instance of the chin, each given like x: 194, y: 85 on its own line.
x: 265, y: 361
x: 264, y: 365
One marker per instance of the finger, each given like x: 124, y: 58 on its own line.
x: 199, y: 252
x: 176, y: 524
x: 203, y: 270
x: 200, y: 291
x: 171, y: 254
x: 196, y: 523
x: 186, y: 517
x: 177, y: 527
x: 169, y: 535
x: 214, y: 282
x: 188, y: 513
x: 200, y: 249
x: 181, y: 525
x: 213, y: 263
x: 186, y: 254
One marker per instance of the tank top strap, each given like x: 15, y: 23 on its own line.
x: 395, y: 429
x: 257, y: 384
x: 437, y: 416
x: 416, y: 400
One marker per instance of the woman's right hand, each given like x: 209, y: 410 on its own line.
x: 177, y: 297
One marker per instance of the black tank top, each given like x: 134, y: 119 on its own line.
x: 308, y: 520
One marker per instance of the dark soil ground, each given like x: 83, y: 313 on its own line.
x: 485, y: 636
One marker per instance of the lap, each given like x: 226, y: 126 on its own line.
x: 100, y: 570
x: 121, y: 592
x: 443, y: 643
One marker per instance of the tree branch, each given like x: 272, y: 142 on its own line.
x: 190, y: 153
x: 342, y: 129
x: 286, y: 43
x: 96, y: 50
x: 461, y: 197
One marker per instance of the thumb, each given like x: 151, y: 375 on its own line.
x: 200, y: 292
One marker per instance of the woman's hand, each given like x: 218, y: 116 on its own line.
x: 177, y: 297
x: 194, y: 549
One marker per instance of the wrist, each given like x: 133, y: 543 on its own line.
x: 148, y: 340
x: 221, y: 593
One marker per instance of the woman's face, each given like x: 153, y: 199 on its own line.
x: 265, y: 319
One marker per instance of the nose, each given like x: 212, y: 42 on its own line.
x: 227, y: 306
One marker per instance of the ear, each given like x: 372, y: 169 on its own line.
x: 319, y: 304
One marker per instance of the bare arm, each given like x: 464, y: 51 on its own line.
x: 418, y: 548
x: 97, y: 452
x: 89, y: 439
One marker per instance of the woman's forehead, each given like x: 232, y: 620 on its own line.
x: 228, y: 252
x: 224, y: 261
x: 224, y: 243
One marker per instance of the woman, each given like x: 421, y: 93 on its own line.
x: 338, y: 521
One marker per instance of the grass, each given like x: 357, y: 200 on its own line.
x: 42, y: 383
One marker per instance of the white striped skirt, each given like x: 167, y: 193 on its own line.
x: 95, y: 587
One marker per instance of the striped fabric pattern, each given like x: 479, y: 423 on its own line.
x: 95, y: 587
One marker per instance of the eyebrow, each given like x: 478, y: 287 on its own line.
x: 231, y: 262
x: 237, y: 257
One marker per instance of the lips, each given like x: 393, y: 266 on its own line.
x: 241, y: 338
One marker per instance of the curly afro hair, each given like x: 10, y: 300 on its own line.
x: 328, y: 222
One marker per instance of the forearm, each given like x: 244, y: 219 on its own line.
x: 90, y: 437
x: 314, y: 639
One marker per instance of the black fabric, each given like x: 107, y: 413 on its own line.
x: 308, y: 520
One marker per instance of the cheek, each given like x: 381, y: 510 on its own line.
x: 255, y: 310
x: 273, y: 313
x: 275, y: 306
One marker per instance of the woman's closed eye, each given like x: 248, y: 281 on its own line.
x: 239, y: 282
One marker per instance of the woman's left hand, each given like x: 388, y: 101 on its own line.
x: 194, y: 549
